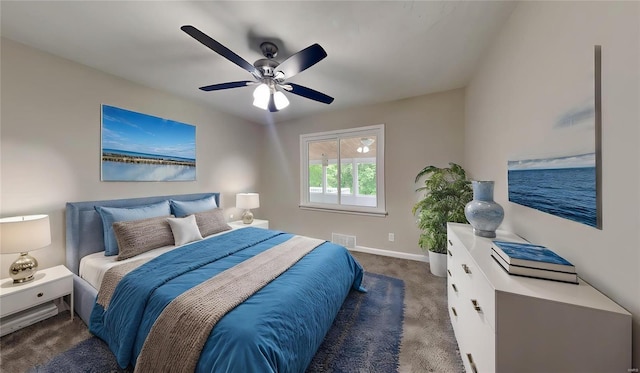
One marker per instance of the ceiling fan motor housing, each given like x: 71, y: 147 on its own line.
x: 266, y: 66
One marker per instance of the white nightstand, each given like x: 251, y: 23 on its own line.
x: 26, y: 303
x: 257, y: 223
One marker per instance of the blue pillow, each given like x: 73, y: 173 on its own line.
x: 111, y: 215
x: 184, y: 208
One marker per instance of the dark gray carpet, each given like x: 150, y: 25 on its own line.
x: 365, y: 337
x: 89, y: 356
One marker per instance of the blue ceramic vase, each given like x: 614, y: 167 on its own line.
x: 483, y: 213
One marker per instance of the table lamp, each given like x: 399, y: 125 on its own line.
x: 20, y: 234
x: 247, y: 201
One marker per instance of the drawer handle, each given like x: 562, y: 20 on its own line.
x: 449, y: 252
x: 450, y: 243
x: 455, y: 288
x: 466, y: 269
x: 474, y: 369
x: 453, y: 309
x: 40, y: 295
x: 476, y: 305
x: 449, y: 272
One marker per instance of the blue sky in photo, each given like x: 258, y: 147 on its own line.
x: 131, y: 131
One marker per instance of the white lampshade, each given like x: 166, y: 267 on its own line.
x: 281, y: 100
x: 261, y: 96
x: 20, y: 234
x: 247, y: 201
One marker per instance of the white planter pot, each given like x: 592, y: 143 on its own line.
x: 438, y: 264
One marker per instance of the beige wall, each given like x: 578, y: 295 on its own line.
x: 513, y: 90
x: 50, y: 141
x: 418, y: 131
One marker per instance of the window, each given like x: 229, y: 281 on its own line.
x: 343, y: 170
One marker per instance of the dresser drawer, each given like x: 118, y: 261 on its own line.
x: 456, y: 299
x: 458, y: 259
x: 455, y: 316
x: 455, y: 273
x: 483, y: 301
x: 34, y: 295
x: 475, y: 339
x: 479, y: 351
x: 480, y: 295
x: 454, y: 247
x: 459, y: 322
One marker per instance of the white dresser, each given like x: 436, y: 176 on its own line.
x: 506, y: 323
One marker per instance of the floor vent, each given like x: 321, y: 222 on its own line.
x: 342, y: 239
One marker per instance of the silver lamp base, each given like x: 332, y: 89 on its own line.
x: 23, y: 269
x: 247, y: 217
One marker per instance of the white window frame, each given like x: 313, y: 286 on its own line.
x: 305, y: 139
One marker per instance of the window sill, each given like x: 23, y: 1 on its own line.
x: 379, y: 214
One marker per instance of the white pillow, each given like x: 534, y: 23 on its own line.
x: 184, y: 230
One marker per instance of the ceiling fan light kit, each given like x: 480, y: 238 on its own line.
x: 366, y: 142
x: 269, y: 74
x: 265, y: 96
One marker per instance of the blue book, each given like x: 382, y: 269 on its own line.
x: 531, y: 256
x: 535, y: 272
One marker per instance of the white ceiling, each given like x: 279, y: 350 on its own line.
x: 377, y: 51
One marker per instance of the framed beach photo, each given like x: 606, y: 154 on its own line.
x: 562, y: 175
x: 141, y: 147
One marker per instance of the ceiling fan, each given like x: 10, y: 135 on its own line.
x: 269, y: 74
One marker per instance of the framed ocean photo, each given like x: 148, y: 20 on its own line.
x: 141, y: 147
x: 562, y: 174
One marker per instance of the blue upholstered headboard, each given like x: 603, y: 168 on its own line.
x: 84, y: 226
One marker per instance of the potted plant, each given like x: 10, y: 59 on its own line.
x: 447, y: 191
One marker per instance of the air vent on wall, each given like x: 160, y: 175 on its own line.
x: 342, y: 239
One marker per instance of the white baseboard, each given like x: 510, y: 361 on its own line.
x: 394, y: 254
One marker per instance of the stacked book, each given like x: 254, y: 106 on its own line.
x: 525, y: 259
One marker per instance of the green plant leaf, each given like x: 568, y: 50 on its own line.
x: 446, y: 192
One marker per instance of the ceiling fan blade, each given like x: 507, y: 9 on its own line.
x: 219, y: 48
x: 216, y: 87
x: 308, y: 93
x: 302, y: 60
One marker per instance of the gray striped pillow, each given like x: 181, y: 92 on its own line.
x: 210, y: 222
x: 138, y: 236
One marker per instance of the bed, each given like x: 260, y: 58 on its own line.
x: 173, y: 290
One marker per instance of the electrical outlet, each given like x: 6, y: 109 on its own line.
x: 231, y: 217
x: 392, y: 237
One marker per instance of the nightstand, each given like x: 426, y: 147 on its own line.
x: 26, y: 303
x: 257, y: 223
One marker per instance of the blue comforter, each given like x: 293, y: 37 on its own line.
x: 278, y: 329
